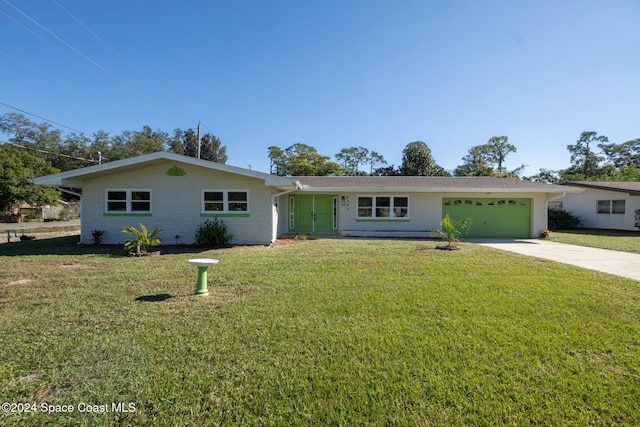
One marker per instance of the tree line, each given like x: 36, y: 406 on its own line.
x: 34, y: 149
x: 301, y: 159
x: 66, y: 151
x: 593, y: 158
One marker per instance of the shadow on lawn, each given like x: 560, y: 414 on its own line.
x: 68, y: 245
x: 153, y: 298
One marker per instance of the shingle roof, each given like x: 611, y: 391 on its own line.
x: 424, y: 184
x: 630, y: 187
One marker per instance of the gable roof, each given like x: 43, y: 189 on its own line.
x: 74, y: 178
x: 630, y: 187
x: 427, y: 184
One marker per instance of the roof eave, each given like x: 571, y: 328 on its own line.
x: 361, y: 189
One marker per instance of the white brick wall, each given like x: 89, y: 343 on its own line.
x: 584, y: 206
x: 176, y: 204
x: 425, y: 210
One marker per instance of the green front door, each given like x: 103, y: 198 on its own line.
x: 303, y: 213
x: 313, y: 213
x: 500, y: 217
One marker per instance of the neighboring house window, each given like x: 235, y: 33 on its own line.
x: 128, y: 201
x: 556, y: 206
x: 611, y: 206
x: 225, y: 201
x: 383, y: 207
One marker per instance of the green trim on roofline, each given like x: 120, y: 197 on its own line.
x: 126, y: 214
x: 212, y: 215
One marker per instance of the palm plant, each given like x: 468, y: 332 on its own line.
x: 451, y: 231
x: 142, y: 240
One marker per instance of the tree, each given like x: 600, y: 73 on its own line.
x: 418, y: 161
x: 148, y: 141
x: 583, y: 159
x: 476, y: 163
x: 390, y: 170
x: 301, y: 160
x: 622, y: 155
x: 304, y: 160
x: 351, y: 158
x: 212, y: 149
x: 546, y: 176
x: 374, y: 160
x: 498, y: 148
x: 277, y: 160
x: 190, y: 143
x: 175, y: 143
x: 17, y: 167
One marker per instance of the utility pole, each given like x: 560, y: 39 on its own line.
x: 198, y: 140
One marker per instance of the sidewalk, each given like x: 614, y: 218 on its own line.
x: 612, y: 262
x: 32, y: 225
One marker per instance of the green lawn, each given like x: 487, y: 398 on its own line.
x: 323, y: 332
x: 617, y: 241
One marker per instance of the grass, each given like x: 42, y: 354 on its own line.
x: 614, y: 240
x: 322, y: 332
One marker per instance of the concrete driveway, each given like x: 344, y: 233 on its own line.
x: 613, y: 262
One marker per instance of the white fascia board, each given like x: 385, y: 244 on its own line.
x: 480, y: 191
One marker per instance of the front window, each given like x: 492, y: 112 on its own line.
x: 225, y: 201
x: 383, y: 207
x: 611, y: 206
x: 128, y: 201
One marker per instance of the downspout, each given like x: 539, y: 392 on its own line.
x: 564, y: 193
x: 274, y: 203
x: 73, y: 193
x: 297, y: 186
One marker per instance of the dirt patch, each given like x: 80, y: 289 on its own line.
x: 17, y: 282
x: 285, y: 242
x: 72, y: 265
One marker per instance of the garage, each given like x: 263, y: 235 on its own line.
x: 491, y: 217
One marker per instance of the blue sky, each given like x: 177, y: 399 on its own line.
x: 332, y: 74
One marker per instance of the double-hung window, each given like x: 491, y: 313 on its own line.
x: 127, y: 201
x: 383, y: 207
x: 611, y: 206
x: 225, y: 202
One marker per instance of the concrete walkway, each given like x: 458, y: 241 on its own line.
x: 32, y: 225
x: 613, y: 262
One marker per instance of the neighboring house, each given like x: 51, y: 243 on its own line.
x: 607, y: 205
x: 177, y: 193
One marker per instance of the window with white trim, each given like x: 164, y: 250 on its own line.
x: 128, y: 201
x: 611, y: 206
x: 225, y: 201
x: 383, y: 207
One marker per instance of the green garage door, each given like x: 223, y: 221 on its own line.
x: 491, y: 217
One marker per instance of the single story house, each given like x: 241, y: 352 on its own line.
x: 177, y: 193
x: 607, y: 205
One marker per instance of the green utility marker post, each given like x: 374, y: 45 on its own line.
x: 202, y: 264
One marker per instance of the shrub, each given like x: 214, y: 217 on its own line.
x: 212, y: 233
x: 452, y: 231
x: 562, y: 220
x: 97, y: 236
x: 142, y: 240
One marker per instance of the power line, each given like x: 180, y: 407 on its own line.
x: 81, y: 54
x: 50, y: 45
x: 125, y: 85
x: 39, y: 150
x: 42, y: 118
x: 136, y: 69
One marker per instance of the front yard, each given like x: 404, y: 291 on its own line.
x: 613, y: 240
x: 321, y: 332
